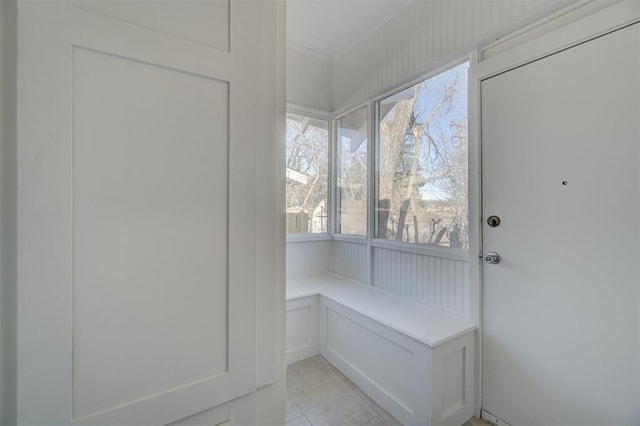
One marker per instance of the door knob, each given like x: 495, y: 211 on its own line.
x: 492, y: 258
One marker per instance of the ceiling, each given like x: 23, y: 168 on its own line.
x: 330, y: 27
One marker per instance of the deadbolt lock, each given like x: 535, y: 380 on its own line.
x: 493, y: 221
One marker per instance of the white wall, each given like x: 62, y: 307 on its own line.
x: 434, y: 281
x: 308, y: 258
x: 351, y: 260
x: 8, y: 49
x: 427, y: 35
x: 438, y: 282
x: 309, y: 79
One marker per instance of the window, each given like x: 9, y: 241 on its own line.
x: 307, y: 174
x: 351, y: 173
x: 422, y: 162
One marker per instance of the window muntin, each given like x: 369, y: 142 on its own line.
x: 422, y: 181
x: 307, y: 174
x: 351, y: 172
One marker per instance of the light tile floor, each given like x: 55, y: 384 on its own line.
x: 320, y: 395
x: 473, y: 421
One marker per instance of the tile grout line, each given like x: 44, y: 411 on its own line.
x: 375, y: 410
x: 299, y: 409
x: 296, y: 418
x: 322, y: 368
x: 307, y: 419
x: 304, y: 414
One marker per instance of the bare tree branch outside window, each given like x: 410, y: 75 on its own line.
x: 422, y: 183
x: 307, y: 174
x: 352, y: 136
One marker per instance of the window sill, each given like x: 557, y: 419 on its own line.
x: 422, y: 249
x: 357, y: 239
x: 435, y: 251
x: 301, y: 238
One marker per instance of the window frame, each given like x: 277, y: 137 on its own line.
x: 375, y: 240
x: 372, y: 105
x: 328, y: 117
x: 339, y: 236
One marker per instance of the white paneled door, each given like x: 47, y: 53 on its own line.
x: 137, y: 209
x: 560, y: 163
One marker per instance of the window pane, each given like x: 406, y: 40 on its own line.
x: 307, y: 174
x: 422, y: 180
x: 352, y: 173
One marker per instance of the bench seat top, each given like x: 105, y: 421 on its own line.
x: 417, y: 321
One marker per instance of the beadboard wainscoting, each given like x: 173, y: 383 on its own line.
x: 436, y: 281
x: 424, y: 36
x: 351, y: 260
x: 439, y: 282
x: 308, y: 258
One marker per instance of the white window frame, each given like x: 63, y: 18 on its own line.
x: 328, y: 117
x: 371, y: 239
x: 424, y: 249
x: 359, y: 239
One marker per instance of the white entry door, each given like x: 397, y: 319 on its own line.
x: 138, y: 139
x: 560, y: 168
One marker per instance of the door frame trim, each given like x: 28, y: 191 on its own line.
x: 561, y: 36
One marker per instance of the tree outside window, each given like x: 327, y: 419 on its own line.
x: 422, y: 181
x: 352, y: 172
x: 307, y: 174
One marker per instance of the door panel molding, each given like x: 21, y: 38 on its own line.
x: 141, y: 254
x: 50, y: 34
x: 201, y: 22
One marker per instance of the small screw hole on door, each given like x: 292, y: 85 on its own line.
x: 493, y: 221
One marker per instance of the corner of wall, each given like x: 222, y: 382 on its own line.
x: 309, y: 79
x: 8, y: 212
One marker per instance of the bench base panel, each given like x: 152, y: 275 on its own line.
x: 303, y: 330
x: 416, y: 383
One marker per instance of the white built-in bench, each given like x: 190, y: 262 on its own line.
x: 416, y: 362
